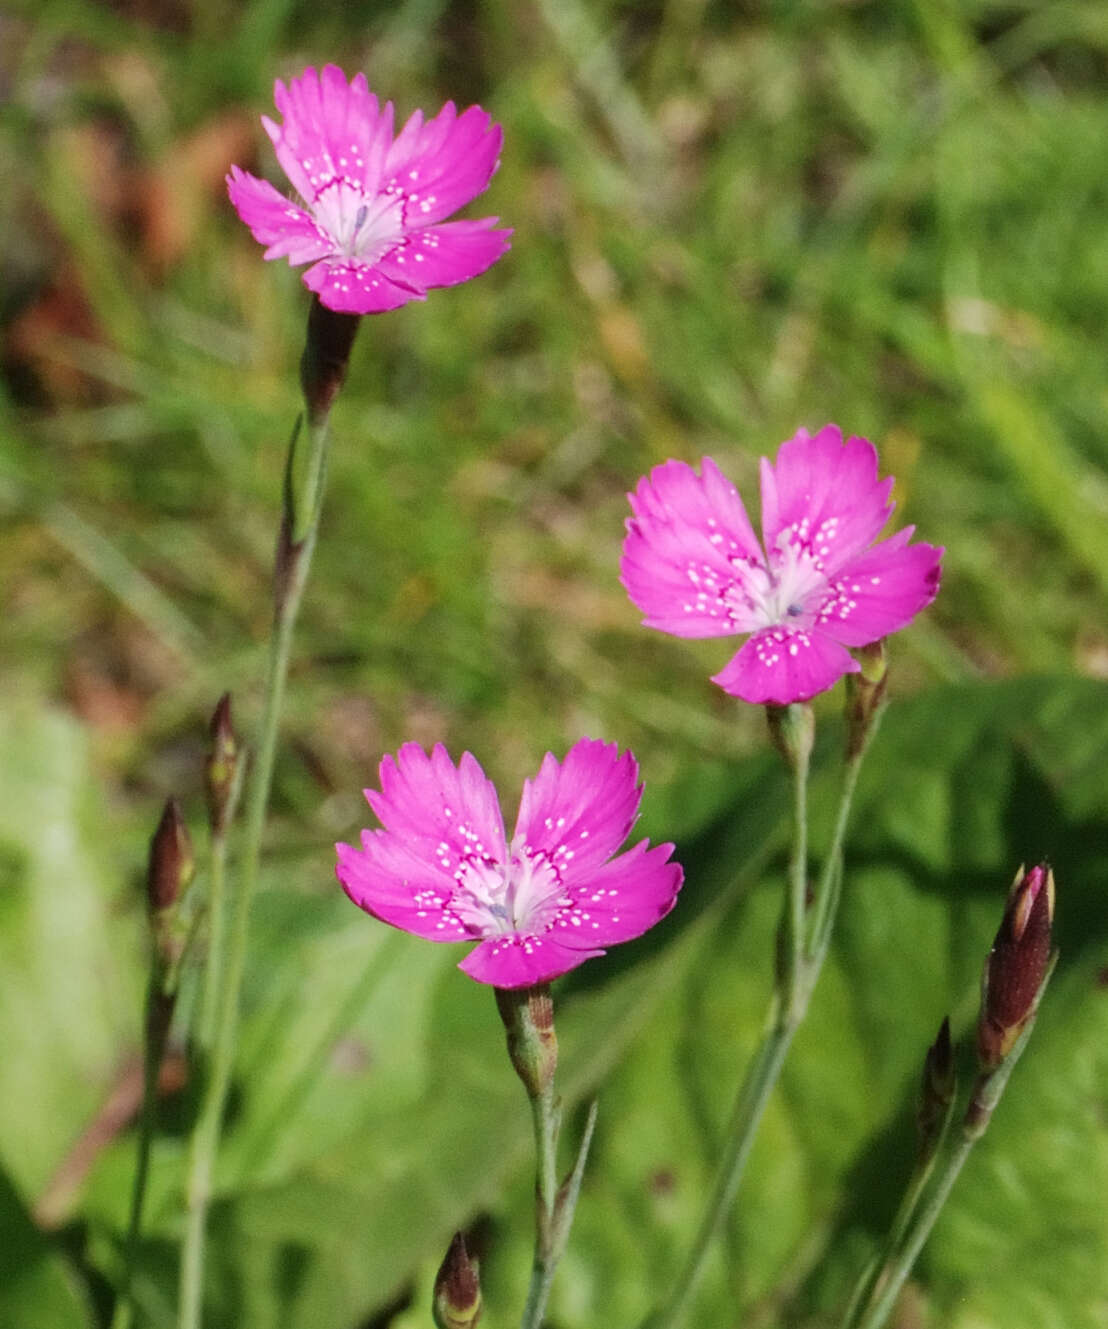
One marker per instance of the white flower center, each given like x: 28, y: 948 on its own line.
x: 363, y: 226
x: 495, y: 899
x: 785, y: 593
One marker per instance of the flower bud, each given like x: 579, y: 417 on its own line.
x: 865, y: 696
x: 528, y: 1015
x: 457, y: 1302
x: 171, y: 863
x: 326, y: 353
x: 937, y: 1090
x: 222, y: 763
x: 1017, y: 965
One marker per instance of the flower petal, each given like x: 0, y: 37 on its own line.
x: 332, y: 130
x: 440, y: 166
x: 286, y: 228
x: 578, y: 812
x: 881, y: 591
x: 447, y: 254
x: 622, y: 899
x: 689, y: 538
x: 782, y: 665
x: 519, y: 962
x: 389, y: 881
x: 825, y: 494
x: 444, y: 814
x: 356, y: 288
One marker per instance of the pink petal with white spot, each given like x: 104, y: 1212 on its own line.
x: 519, y: 962
x: 828, y: 488
x: 442, y: 165
x: 622, y: 899
x: 782, y: 665
x: 389, y: 881
x: 447, y: 254
x: 687, y: 542
x: 578, y: 812
x: 444, y: 814
x: 332, y: 130
x: 355, y: 288
x: 287, y: 229
x: 881, y: 591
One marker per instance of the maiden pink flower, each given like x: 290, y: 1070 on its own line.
x: 539, y: 905
x: 373, y: 223
x: 815, y: 585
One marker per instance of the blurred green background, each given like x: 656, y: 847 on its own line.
x: 730, y: 220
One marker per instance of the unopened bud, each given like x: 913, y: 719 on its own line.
x: 1017, y: 965
x: 171, y: 863
x: 937, y: 1090
x: 457, y: 1302
x: 865, y: 696
x: 793, y: 731
x: 326, y: 354
x: 222, y: 763
x: 528, y: 1015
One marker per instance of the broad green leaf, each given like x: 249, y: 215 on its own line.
x: 69, y: 985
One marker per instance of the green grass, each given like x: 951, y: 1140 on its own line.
x: 727, y: 224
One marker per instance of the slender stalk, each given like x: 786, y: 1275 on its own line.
x: 864, y: 1289
x: 803, y: 946
x: 984, y: 1098
x: 217, y: 919
x: 786, y: 1012
x: 792, y: 984
x: 746, y: 1117
x: 826, y: 896
x: 545, y: 1118
x: 300, y: 528
x: 156, y: 1029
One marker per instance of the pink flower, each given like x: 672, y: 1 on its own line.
x: 693, y: 565
x: 540, y: 905
x: 373, y: 227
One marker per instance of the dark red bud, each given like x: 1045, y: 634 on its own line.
x: 937, y: 1088
x: 457, y: 1302
x: 171, y: 863
x: 326, y: 354
x: 1017, y: 965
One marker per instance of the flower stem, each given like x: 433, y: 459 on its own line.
x: 217, y: 921
x: 802, y: 948
x: 546, y: 1119
x: 986, y: 1094
x: 158, y: 1012
x: 296, y: 543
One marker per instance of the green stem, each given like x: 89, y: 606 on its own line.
x: 824, y: 905
x: 155, y: 1032
x: 546, y: 1120
x: 298, y: 537
x: 867, y: 1282
x: 746, y: 1117
x: 217, y: 941
x: 804, y: 942
x: 986, y: 1095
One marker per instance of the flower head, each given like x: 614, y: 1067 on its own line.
x: 539, y: 905
x: 815, y: 585
x: 373, y: 222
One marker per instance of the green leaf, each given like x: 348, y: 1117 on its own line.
x: 37, y: 1286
